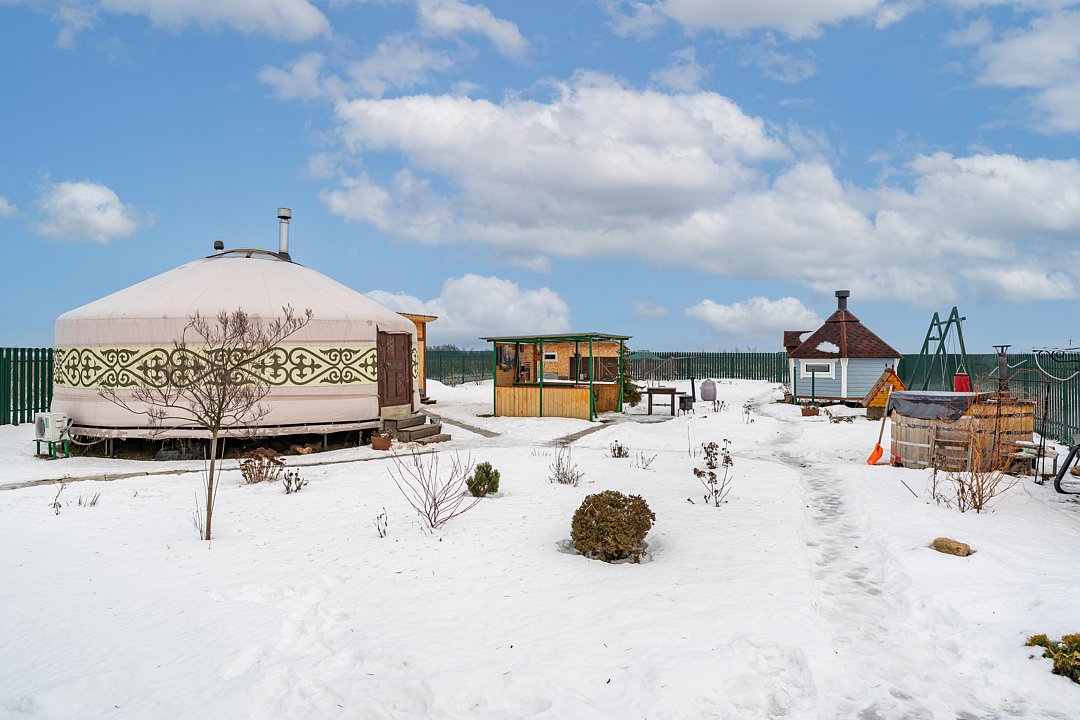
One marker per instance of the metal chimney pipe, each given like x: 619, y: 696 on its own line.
x: 1003, y: 368
x: 284, y: 215
x: 841, y: 299
x: 219, y: 247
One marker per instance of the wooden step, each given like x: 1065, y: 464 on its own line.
x: 412, y: 421
x: 417, y: 432
x: 441, y: 437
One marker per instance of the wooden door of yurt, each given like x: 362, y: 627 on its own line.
x: 395, y: 369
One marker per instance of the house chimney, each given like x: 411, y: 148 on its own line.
x: 841, y: 299
x: 219, y: 247
x: 284, y: 215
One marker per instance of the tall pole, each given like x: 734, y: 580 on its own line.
x: 494, y: 379
x: 592, y: 401
x: 620, y: 374
x: 540, y: 372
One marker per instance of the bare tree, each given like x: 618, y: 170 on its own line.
x: 215, y: 379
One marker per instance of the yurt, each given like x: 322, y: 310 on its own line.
x: 353, y: 366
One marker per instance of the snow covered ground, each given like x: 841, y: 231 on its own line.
x: 811, y: 594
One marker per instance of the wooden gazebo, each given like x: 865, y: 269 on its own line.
x: 575, y: 375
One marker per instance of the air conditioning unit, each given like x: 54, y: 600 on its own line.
x: 50, y: 426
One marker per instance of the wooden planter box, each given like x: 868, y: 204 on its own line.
x: 810, y: 411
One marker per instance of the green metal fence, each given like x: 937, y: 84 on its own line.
x: 458, y: 366
x: 1057, y: 403
x: 453, y: 367
x: 734, y: 365
x: 26, y: 376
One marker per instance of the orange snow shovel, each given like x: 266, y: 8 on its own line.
x: 877, y: 452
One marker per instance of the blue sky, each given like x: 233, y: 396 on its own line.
x: 698, y: 174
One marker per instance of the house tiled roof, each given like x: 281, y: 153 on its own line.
x: 843, y: 330
x: 793, y: 338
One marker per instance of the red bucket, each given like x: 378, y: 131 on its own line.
x: 961, y: 382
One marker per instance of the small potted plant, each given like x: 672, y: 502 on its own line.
x: 810, y: 410
x: 380, y: 441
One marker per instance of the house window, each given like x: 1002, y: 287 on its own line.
x: 551, y: 357
x: 817, y: 368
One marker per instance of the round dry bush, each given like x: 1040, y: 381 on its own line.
x: 611, y: 526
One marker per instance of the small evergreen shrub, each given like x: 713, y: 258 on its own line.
x: 631, y: 394
x: 611, y: 526
x: 261, y: 465
x: 483, y: 481
x: 1065, y: 653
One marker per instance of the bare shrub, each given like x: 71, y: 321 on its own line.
x: 643, y: 461
x: 381, y: 523
x: 717, y: 485
x: 437, y: 499
x: 261, y: 465
x: 983, y: 483
x: 91, y: 501
x: 563, y: 471
x: 293, y: 482
x: 56, y: 504
x: 618, y: 450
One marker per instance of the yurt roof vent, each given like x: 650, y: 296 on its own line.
x: 284, y: 215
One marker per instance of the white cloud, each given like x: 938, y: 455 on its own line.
x: 302, y: 80
x: 734, y: 17
x: 683, y: 74
x: 409, y: 208
x: 604, y: 170
x: 285, y: 19
x: 758, y: 318
x: 397, y: 62
x: 73, y: 18
x: 775, y: 64
x: 472, y: 306
x: 1043, y: 58
x: 7, y: 208
x: 86, y: 211
x: 645, y: 308
x: 1027, y: 281
x: 451, y: 17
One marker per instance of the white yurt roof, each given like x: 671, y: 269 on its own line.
x: 261, y: 283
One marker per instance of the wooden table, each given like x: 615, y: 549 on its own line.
x: 669, y: 391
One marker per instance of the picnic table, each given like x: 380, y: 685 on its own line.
x: 669, y: 391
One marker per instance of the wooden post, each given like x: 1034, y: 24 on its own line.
x: 540, y: 373
x: 494, y: 379
x: 620, y: 375
x: 592, y: 401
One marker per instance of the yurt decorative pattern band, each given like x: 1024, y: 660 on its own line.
x: 296, y: 366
